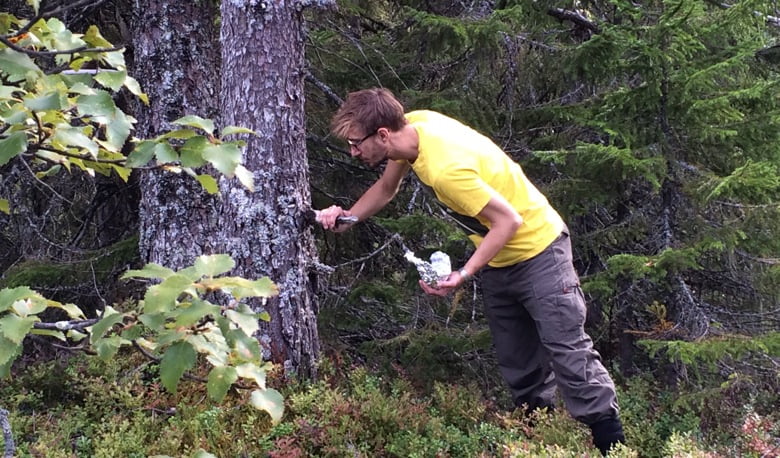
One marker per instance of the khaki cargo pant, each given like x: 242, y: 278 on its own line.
x: 536, y: 312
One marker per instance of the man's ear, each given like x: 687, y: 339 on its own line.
x: 383, y: 133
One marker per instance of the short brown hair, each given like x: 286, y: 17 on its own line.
x: 368, y: 110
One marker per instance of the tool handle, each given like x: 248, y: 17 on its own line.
x: 347, y: 219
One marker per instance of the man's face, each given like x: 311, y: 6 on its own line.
x: 367, y: 147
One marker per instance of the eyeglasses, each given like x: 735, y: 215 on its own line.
x: 356, y: 143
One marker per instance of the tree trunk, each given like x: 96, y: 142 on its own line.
x: 262, y: 89
x: 176, y: 58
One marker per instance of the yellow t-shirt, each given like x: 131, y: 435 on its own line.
x: 465, y: 169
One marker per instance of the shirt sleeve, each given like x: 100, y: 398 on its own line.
x: 463, y: 191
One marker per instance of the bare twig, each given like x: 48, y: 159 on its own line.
x: 68, y: 325
x: 575, y: 17
x: 80, y: 49
x: 323, y: 87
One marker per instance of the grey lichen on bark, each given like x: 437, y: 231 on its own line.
x: 5, y: 423
x: 262, y: 88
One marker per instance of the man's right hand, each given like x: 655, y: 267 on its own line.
x: 328, y: 218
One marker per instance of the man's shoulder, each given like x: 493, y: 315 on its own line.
x: 426, y: 116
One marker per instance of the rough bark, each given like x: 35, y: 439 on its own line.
x: 176, y: 58
x: 262, y: 89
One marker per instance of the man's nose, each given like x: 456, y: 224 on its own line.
x: 354, y: 151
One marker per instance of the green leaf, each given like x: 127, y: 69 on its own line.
x: 245, y: 177
x: 74, y: 136
x: 16, y: 65
x: 110, y: 318
x: 269, y: 400
x: 225, y: 157
x: 29, y: 306
x: 231, y: 130
x: 113, y: 79
x: 211, y: 344
x: 9, y: 350
x: 73, y: 311
x: 51, y: 171
x: 75, y: 335
x: 245, y: 348
x: 179, y: 358
x: 194, y: 312
x: 213, y: 265
x: 241, y: 287
x: 15, y: 328
x: 99, y: 104
x: 7, y: 92
x: 196, y: 121
x: 49, y: 332
x: 150, y: 270
x: 208, y: 182
x: 9, y: 296
x: 141, y: 155
x: 179, y: 134
x: 51, y: 101
x: 16, y: 115
x: 253, y: 372
x: 154, y: 321
x: 220, y: 381
x: 108, y: 347
x: 203, y: 454
x: 245, y: 319
x: 165, y: 153
x: 118, y: 130
x: 5, y: 207
x: 162, y: 297
x: 12, y: 146
x: 192, y: 151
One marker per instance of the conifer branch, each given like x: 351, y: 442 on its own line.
x: 771, y: 20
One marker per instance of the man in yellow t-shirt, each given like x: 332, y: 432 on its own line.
x: 533, y: 301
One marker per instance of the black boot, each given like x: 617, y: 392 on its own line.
x: 607, y: 433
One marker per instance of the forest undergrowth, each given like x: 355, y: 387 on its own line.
x: 81, y: 406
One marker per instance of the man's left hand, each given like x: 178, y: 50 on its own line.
x: 443, y: 286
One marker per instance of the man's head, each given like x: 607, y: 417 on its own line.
x: 364, y: 120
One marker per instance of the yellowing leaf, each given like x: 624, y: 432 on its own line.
x: 269, y: 400
x: 232, y: 130
x: 213, y: 265
x: 150, y: 270
x: 5, y: 207
x: 196, y: 121
x: 245, y: 177
x: 253, y: 372
x: 209, y: 183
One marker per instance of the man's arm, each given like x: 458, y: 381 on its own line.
x: 504, y: 222
x: 373, y: 200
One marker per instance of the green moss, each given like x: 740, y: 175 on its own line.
x: 52, y: 274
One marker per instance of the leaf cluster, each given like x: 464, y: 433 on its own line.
x: 174, y: 323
